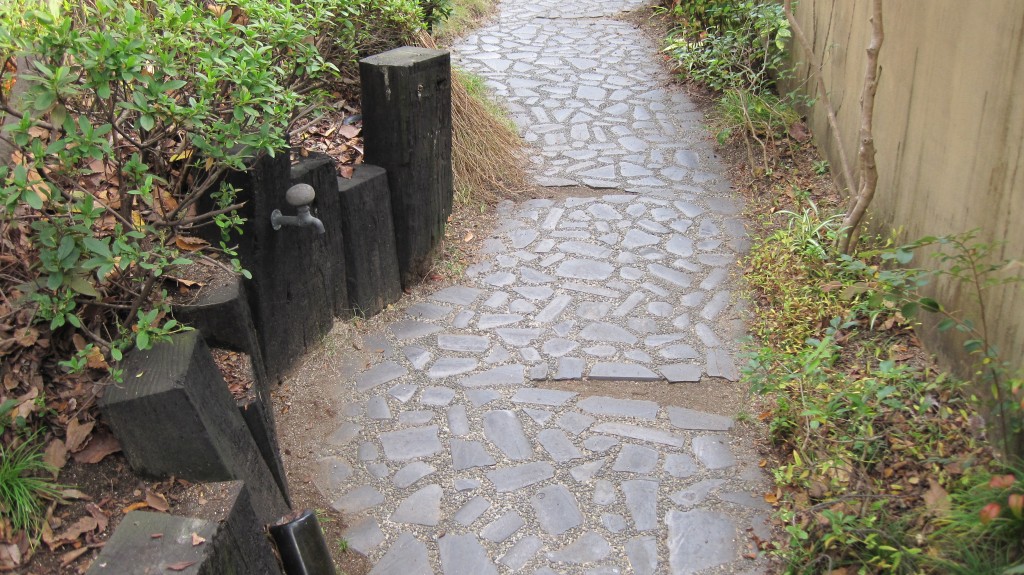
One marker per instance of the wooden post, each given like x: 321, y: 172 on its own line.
x: 370, y: 257
x: 407, y: 118
x: 174, y: 415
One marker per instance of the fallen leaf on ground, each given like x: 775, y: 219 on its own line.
x: 180, y: 565
x: 157, y: 501
x: 56, y: 455
x: 197, y: 539
x: 69, y: 557
x: 936, y: 498
x: 346, y: 171
x: 348, y: 131
x: 134, y: 506
x: 190, y: 244
x: 73, y: 494
x: 76, y: 530
x: 99, y: 515
x: 102, y: 445
x: 77, y: 434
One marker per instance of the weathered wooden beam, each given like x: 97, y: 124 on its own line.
x: 174, y: 415
x: 407, y: 119
x: 370, y: 257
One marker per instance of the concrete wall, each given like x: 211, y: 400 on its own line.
x: 949, y: 128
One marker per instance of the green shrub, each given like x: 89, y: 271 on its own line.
x: 730, y: 43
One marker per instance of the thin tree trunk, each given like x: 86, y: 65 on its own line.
x: 816, y: 67
x: 866, y: 156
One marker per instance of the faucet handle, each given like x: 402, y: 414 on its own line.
x: 300, y: 195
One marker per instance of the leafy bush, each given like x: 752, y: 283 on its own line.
x: 730, y: 43
x: 132, y: 111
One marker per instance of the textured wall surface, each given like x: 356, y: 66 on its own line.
x: 949, y: 129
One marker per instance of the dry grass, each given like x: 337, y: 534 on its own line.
x: 488, y: 160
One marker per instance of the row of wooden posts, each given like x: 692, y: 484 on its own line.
x: 173, y: 412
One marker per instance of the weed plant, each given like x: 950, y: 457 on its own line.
x: 884, y: 464
x: 25, y: 484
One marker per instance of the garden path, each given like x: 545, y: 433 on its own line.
x: 472, y: 445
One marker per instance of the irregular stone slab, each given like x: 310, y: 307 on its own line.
x: 584, y: 269
x: 604, y: 492
x: 459, y: 295
x: 364, y: 536
x: 407, y: 556
x: 636, y: 239
x: 746, y: 499
x: 629, y: 304
x: 558, y: 347
x: 522, y: 237
x: 534, y: 292
x: 541, y: 416
x: 600, y: 443
x: 497, y: 354
x: 449, y: 366
x: 558, y: 446
x: 440, y: 396
x: 613, y: 522
x: 423, y: 507
x: 600, y: 405
x: 569, y: 368
x: 367, y: 451
x: 427, y: 311
x: 521, y: 553
x: 589, y: 548
x: 503, y: 527
x: 608, y: 333
x: 379, y: 374
x: 345, y: 433
x: 332, y: 473
x: 518, y: 337
x: 614, y: 371
x: 358, y: 500
x: 504, y: 430
x: 402, y: 392
x: 680, y: 465
x: 642, y: 553
x: 556, y: 509
x: 472, y: 510
x: 636, y: 459
x: 512, y: 478
x: 681, y: 372
x: 480, y: 397
x: 713, y: 451
x: 721, y: 364
x: 411, y: 329
x: 575, y: 422
x: 699, y: 540
x: 411, y: 443
x: 377, y: 408
x: 421, y: 417
x: 639, y: 432
x: 493, y: 320
x: 458, y: 420
x: 678, y: 351
x: 469, y: 454
x: 690, y: 419
x: 502, y: 375
x: 541, y: 396
x: 465, y: 484
x: 411, y: 473
x: 464, y: 554
x: 681, y: 279
x: 696, y: 493
x: 642, y: 503
x: 470, y: 343
x: 587, y: 471
x: 554, y: 309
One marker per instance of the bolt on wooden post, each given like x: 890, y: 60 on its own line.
x: 407, y: 119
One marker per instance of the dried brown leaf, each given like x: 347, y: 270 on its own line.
x: 936, y: 499
x: 55, y: 455
x: 197, y: 539
x: 70, y: 557
x: 180, y: 565
x: 346, y: 172
x: 102, y: 520
x: 73, y: 494
x: 189, y: 244
x: 102, y: 445
x: 77, y: 529
x: 348, y: 131
x: 157, y: 501
x: 77, y: 434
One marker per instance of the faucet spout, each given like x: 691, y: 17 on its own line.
x: 300, y: 196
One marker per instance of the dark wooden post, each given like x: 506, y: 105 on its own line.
x: 174, y: 415
x: 370, y: 257
x: 407, y: 118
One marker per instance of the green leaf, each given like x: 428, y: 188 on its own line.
x: 146, y: 122
x: 909, y: 309
x: 142, y: 340
x: 82, y: 285
x: 947, y: 323
x: 931, y: 305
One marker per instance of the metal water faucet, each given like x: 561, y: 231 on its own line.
x: 300, y: 196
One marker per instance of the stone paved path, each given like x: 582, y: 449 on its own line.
x: 453, y: 457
